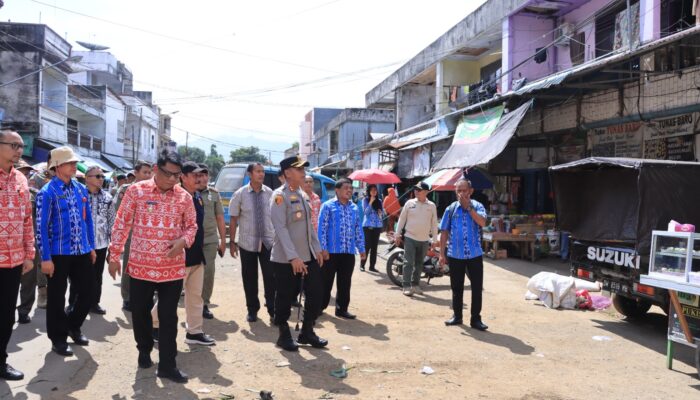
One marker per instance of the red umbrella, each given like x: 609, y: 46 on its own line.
x: 373, y: 175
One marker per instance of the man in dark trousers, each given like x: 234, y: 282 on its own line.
x: 164, y: 223
x: 66, y: 239
x: 340, y: 234
x: 461, y: 227
x: 16, y: 240
x: 250, y: 217
x: 296, y: 256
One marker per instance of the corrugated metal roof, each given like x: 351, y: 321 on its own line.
x: 427, y: 141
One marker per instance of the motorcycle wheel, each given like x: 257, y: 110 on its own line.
x: 394, y: 268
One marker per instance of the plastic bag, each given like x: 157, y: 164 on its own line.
x: 584, y: 300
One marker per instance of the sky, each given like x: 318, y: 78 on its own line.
x: 244, y: 73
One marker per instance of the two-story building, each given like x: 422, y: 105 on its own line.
x: 337, y: 145
x: 35, y: 63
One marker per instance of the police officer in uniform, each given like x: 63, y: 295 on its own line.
x: 296, y: 256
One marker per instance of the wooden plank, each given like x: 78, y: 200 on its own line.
x: 681, y: 317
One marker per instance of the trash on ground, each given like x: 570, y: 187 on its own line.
x: 381, y: 371
x: 602, y: 338
x: 283, y: 364
x: 539, y: 355
x: 556, y: 290
x: 346, y: 348
x: 426, y: 370
x: 204, y: 390
x: 341, y: 372
x: 600, y: 302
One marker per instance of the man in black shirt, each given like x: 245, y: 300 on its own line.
x: 194, y: 260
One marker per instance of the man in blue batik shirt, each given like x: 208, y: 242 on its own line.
x: 461, y: 224
x: 340, y: 234
x: 66, y: 239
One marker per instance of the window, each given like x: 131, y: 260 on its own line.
x: 610, y: 32
x: 577, y: 48
x: 317, y: 187
x: 330, y: 190
x: 676, y: 15
x: 85, y: 141
x: 153, y: 141
x: 334, y: 142
x: 230, y: 179
x: 120, y: 132
x: 97, y: 144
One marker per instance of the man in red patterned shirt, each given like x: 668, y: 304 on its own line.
x: 16, y: 240
x: 164, y: 224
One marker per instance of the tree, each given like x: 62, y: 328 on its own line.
x: 214, y: 161
x: 247, y: 154
x: 192, y: 154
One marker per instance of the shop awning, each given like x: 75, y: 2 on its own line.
x: 118, y: 162
x: 482, y: 137
x: 89, y: 162
x: 444, y: 180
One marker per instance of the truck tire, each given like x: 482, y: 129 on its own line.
x: 633, y: 308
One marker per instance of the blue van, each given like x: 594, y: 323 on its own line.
x: 233, y: 176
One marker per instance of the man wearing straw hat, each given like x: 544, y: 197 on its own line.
x: 67, y: 244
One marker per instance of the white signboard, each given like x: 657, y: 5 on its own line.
x: 679, y: 125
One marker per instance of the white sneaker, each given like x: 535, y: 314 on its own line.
x: 417, y: 290
x: 407, y: 292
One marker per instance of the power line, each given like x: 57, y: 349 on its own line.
x: 188, y: 41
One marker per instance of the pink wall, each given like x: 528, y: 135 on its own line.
x: 579, y: 18
x: 526, y: 34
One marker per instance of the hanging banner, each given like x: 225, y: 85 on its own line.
x: 483, y: 142
x: 623, y: 140
x: 677, y: 148
x: 477, y: 128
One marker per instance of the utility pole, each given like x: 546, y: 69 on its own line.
x: 187, y: 139
x: 138, y: 142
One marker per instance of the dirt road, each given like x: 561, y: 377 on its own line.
x: 529, y: 352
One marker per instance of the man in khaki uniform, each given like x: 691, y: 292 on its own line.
x: 214, y: 235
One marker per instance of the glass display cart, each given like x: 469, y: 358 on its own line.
x: 674, y: 264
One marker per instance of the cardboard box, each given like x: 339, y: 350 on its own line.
x: 501, y: 254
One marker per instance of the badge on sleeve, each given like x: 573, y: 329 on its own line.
x: 279, y: 199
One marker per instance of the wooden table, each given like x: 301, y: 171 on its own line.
x: 524, y: 241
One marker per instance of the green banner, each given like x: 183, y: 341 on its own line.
x: 28, y: 139
x: 476, y: 128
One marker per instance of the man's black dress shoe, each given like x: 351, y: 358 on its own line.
x: 344, y: 314
x: 477, y: 324
x: 62, y: 349
x: 173, y: 374
x: 10, y: 374
x: 454, y: 321
x: 78, y: 338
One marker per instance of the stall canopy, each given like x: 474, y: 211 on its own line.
x: 118, y: 162
x: 444, y: 180
x: 481, y: 137
x: 89, y: 162
x: 624, y: 199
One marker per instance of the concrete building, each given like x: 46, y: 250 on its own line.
x: 605, y: 80
x: 34, y: 92
x: 337, y: 145
x: 164, y: 129
x: 141, y: 140
x: 313, y: 121
x: 96, y: 117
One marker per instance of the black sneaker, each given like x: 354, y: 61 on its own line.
x: 154, y: 333
x: 200, y: 338
x: 173, y: 374
x: 97, y: 309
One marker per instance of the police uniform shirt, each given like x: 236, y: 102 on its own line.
x: 295, y: 237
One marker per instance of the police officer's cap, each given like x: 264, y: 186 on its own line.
x: 293, y: 162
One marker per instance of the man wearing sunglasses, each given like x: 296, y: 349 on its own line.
x: 16, y: 241
x: 102, y: 219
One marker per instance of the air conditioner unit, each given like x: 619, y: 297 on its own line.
x: 564, y: 33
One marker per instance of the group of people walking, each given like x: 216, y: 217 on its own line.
x: 162, y: 234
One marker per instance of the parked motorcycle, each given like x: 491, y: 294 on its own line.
x: 396, y: 261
